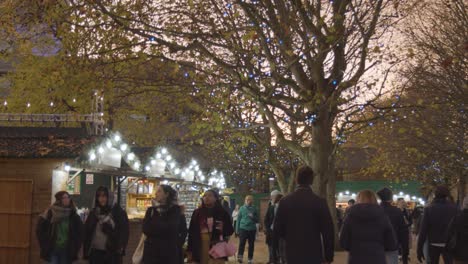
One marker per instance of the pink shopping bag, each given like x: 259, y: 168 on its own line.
x: 222, y: 249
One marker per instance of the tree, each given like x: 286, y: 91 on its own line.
x: 426, y: 140
x: 299, y: 61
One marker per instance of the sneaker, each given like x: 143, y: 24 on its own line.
x: 250, y: 261
x: 240, y: 259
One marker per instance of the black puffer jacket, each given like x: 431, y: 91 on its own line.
x: 165, y: 232
x: 367, y: 234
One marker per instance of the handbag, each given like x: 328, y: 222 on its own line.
x: 137, y: 257
x: 222, y: 249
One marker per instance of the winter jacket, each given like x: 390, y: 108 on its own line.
x: 367, y: 233
x: 194, y: 233
x: 435, y: 223
x: 458, y: 233
x: 117, y: 235
x: 46, y: 233
x: 397, y: 219
x: 165, y: 230
x: 247, y: 218
x: 268, y: 222
x: 303, y: 220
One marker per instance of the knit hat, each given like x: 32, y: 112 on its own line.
x: 275, y: 192
x: 441, y: 192
x: 385, y: 194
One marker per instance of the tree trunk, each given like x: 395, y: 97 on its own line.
x: 292, y: 181
x: 321, y: 159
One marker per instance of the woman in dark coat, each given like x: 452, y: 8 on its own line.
x: 457, y: 243
x: 165, y: 229
x: 208, y: 223
x: 367, y: 232
x: 59, y: 231
x: 106, y: 230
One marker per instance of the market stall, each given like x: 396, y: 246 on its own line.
x: 111, y: 162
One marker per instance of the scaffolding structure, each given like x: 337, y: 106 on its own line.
x: 95, y: 120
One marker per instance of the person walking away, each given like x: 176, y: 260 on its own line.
x: 59, y: 231
x: 208, y: 223
x: 106, y: 230
x: 268, y: 223
x: 434, y: 227
x: 402, y: 205
x: 339, y: 217
x: 367, y: 232
x: 457, y: 243
x: 247, y: 228
x: 165, y: 228
x: 304, y: 221
x: 351, y: 202
x: 398, y: 223
x: 235, y: 214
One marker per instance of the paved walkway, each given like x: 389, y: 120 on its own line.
x: 261, y: 253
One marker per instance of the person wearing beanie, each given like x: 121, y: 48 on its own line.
x: 268, y: 222
x: 434, y: 227
x: 59, y: 231
x: 106, y: 230
x: 399, y: 226
x: 457, y: 242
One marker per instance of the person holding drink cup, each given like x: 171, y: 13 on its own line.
x: 247, y: 228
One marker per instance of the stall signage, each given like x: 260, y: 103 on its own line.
x: 89, y: 178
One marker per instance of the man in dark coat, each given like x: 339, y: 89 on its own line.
x: 106, y: 230
x: 434, y: 226
x: 303, y: 220
x: 398, y: 222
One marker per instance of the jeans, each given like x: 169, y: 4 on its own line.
x: 60, y: 256
x: 243, y: 237
x: 436, y: 252
x: 391, y: 257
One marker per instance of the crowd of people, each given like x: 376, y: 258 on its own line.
x: 299, y: 229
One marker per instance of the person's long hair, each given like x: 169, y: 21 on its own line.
x: 366, y: 197
x: 217, y: 208
x: 172, y: 196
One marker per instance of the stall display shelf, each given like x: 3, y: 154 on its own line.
x: 190, y: 200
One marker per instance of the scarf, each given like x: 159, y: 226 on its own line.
x: 58, y: 213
